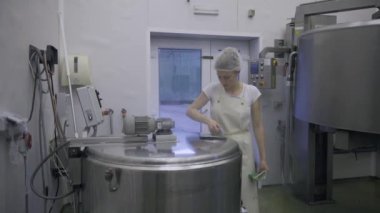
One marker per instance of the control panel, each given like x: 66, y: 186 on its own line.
x: 262, y: 73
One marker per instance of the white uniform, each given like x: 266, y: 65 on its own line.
x: 233, y: 113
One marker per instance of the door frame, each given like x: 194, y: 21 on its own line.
x: 156, y: 44
x: 169, y: 34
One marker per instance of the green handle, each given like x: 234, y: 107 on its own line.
x: 257, y: 176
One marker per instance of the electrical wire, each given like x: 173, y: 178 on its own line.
x: 36, y: 73
x: 37, y: 57
x: 57, y: 121
x: 56, y: 193
x: 38, y: 168
x: 33, y: 61
x: 36, y: 77
x: 42, y: 139
x: 34, y: 68
x: 31, y: 69
x: 58, y: 167
x: 57, y: 158
x: 52, y: 98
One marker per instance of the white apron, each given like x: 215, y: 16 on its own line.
x: 234, y: 116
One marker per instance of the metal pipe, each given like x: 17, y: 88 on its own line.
x: 62, y: 28
x: 291, y: 72
x: 111, y: 120
x: 291, y: 80
x: 267, y: 50
x: 289, y: 120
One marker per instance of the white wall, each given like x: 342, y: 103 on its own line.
x: 114, y: 36
x: 21, y: 23
x: 269, y: 21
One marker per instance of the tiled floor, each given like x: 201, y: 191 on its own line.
x: 350, y: 196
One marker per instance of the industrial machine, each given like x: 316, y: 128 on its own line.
x: 332, y: 91
x: 197, y: 176
x: 136, y: 173
x: 145, y: 170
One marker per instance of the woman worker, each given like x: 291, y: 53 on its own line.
x: 235, y: 108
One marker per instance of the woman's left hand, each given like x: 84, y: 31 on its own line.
x: 263, y: 166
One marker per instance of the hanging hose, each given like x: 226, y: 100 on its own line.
x: 39, y: 167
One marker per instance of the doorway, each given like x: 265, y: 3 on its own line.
x: 178, y: 75
x: 179, y: 84
x: 181, y: 67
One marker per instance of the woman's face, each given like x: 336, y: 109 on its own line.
x: 228, y: 78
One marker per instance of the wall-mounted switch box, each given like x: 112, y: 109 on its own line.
x: 90, y: 104
x: 79, y: 71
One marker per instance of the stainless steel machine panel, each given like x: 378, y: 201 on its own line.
x: 201, y: 176
x: 337, y: 80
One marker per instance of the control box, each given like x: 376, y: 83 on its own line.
x: 79, y: 71
x: 91, y: 107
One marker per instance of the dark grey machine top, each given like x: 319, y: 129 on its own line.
x: 337, y: 77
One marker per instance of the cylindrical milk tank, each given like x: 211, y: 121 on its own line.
x: 337, y: 80
x: 199, y: 176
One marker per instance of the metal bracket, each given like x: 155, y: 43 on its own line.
x: 109, y: 175
x: 267, y: 50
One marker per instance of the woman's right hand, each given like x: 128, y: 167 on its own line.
x: 214, y: 127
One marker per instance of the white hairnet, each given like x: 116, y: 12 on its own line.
x: 228, y: 60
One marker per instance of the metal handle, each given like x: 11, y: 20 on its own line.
x: 109, y: 175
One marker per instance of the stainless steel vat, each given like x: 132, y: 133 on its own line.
x: 193, y: 177
x: 337, y: 81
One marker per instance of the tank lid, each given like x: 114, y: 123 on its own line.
x: 188, y: 151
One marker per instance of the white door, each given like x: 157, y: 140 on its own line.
x: 162, y: 46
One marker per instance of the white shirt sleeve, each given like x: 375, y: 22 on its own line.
x: 210, y: 90
x: 253, y: 93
